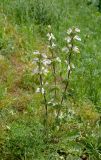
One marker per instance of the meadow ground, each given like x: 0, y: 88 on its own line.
x: 24, y: 134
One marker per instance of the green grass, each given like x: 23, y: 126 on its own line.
x: 23, y: 29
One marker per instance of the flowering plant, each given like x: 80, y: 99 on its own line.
x: 48, y: 64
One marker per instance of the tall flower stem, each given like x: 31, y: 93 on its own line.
x: 51, y: 39
x: 54, y: 71
x: 45, y: 100
x: 69, y: 70
x: 68, y: 76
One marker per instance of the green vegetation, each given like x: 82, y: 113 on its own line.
x: 68, y: 125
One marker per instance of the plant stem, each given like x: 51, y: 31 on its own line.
x: 68, y: 76
x: 54, y: 74
x: 45, y: 101
x: 54, y: 69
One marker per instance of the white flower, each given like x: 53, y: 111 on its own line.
x: 58, y: 59
x: 43, y: 68
x: 65, y: 49
x: 69, y: 46
x: 68, y: 39
x: 68, y: 69
x: 45, y: 71
x: 77, y: 30
x: 66, y: 61
x: 72, y: 65
x: 36, y: 71
x: 77, y: 38
x: 53, y: 45
x: 50, y: 36
x: 69, y: 31
x: 36, y: 52
x: 44, y: 55
x: 46, y: 62
x: 76, y: 49
x: 36, y: 59
x: 51, y: 101
x: 54, y: 104
x: 40, y: 90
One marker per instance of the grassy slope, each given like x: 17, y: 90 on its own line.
x: 18, y: 38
